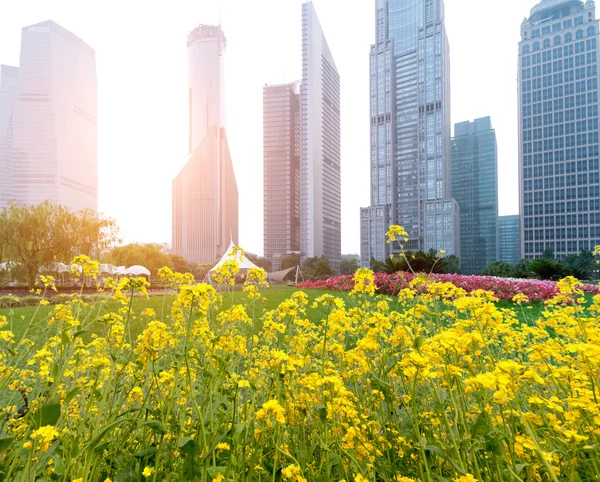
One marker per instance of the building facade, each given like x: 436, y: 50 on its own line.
x: 205, y: 195
x: 410, y: 128
x: 475, y: 188
x: 320, y: 168
x: 9, y: 77
x: 509, y: 236
x: 55, y: 120
x: 281, y: 171
x: 559, y: 171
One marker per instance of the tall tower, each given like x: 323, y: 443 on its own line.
x: 559, y: 170
x: 475, y: 188
x: 55, y: 124
x: 9, y: 77
x: 321, y: 220
x: 205, y: 195
x: 410, y: 131
x: 281, y: 144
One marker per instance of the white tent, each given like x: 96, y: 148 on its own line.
x: 244, y: 263
x: 137, y: 270
x: 279, y: 276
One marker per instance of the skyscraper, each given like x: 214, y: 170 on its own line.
x: 559, y: 170
x: 509, y: 239
x: 281, y: 168
x: 475, y: 188
x: 9, y: 77
x: 205, y: 195
x: 320, y: 202
x: 55, y: 131
x: 410, y: 131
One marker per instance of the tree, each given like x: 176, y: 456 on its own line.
x: 581, y: 265
x: 261, y: 262
x: 349, y: 266
x: 150, y: 255
x: 316, y: 268
x: 180, y: 265
x: 45, y: 233
x: 452, y: 264
x: 522, y: 270
x: 548, y: 269
x: 200, y: 270
x: 548, y: 253
x: 377, y: 266
x: 500, y: 269
x: 290, y: 261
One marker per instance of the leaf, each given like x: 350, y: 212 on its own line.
x: 334, y: 459
x: 72, y: 394
x: 126, y: 475
x: 142, y: 454
x: 81, y: 333
x: 215, y: 471
x: 418, y: 343
x: 437, y: 450
x: 91, y: 445
x: 482, y: 425
x: 155, y: 426
x: 321, y: 411
x: 576, y: 477
x: 47, y: 415
x: 6, y: 442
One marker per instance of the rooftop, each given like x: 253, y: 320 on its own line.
x: 543, y: 9
x: 207, y: 32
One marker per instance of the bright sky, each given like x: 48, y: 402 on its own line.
x: 142, y: 75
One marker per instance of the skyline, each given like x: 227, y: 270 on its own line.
x: 135, y: 170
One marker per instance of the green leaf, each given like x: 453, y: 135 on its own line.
x: 482, y: 426
x: 437, y: 450
x: 418, y: 343
x: 6, y: 442
x: 576, y: 477
x: 155, y: 426
x: 126, y: 475
x: 47, y: 415
x: 71, y: 395
x: 334, y: 459
x: 91, y: 445
x: 215, y: 471
x: 321, y: 411
x: 142, y: 454
x: 81, y: 333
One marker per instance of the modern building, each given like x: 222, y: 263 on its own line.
x: 475, y: 188
x: 320, y: 168
x: 509, y: 236
x: 205, y: 195
x: 55, y: 120
x: 559, y: 170
x: 281, y: 169
x: 9, y: 77
x: 410, y: 131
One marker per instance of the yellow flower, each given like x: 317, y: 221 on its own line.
x: 395, y: 232
x: 148, y: 471
x: 466, y: 478
x: 293, y: 473
x: 218, y: 478
x: 223, y: 446
x: 44, y: 437
x: 271, y: 409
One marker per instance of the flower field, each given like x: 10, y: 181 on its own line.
x: 503, y: 288
x: 436, y: 385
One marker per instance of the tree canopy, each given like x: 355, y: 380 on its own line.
x: 150, y: 255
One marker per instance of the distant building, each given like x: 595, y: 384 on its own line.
x: 9, y: 77
x: 55, y: 120
x: 559, y: 142
x: 475, y: 188
x: 410, y: 131
x: 509, y: 229
x: 320, y: 202
x: 205, y: 195
x: 281, y: 170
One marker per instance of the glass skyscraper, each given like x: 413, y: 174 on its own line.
x: 509, y: 236
x: 320, y: 171
x: 54, y: 147
x: 475, y: 188
x: 281, y: 171
x: 9, y: 77
x: 558, y: 129
x: 410, y: 130
x: 205, y: 195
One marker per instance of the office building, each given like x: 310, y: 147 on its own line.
x: 9, y: 77
x: 320, y: 168
x: 475, y: 188
x: 410, y: 131
x: 205, y: 195
x: 559, y: 171
x: 509, y: 239
x: 55, y: 120
x: 281, y: 170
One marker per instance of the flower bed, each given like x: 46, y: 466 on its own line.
x: 503, y: 288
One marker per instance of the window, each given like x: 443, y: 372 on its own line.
x: 557, y: 40
x: 568, y: 37
x: 579, y: 34
x: 547, y: 43
x: 536, y: 46
x: 525, y: 49
x: 591, y: 31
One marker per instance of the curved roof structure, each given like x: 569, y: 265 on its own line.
x: 550, y: 4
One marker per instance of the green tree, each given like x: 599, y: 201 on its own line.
x: 500, y: 269
x: 180, y: 265
x: 200, y: 270
x: 377, y: 266
x: 522, y: 270
x: 548, y: 269
x: 45, y: 233
x: 290, y: 261
x: 349, y: 266
x: 150, y: 255
x: 452, y: 264
x: 581, y: 265
x: 548, y: 253
x: 261, y: 262
x: 316, y: 268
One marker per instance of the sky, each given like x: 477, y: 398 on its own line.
x: 142, y: 78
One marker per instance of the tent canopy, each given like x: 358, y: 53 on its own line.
x: 279, y: 276
x: 137, y: 270
x: 244, y: 263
